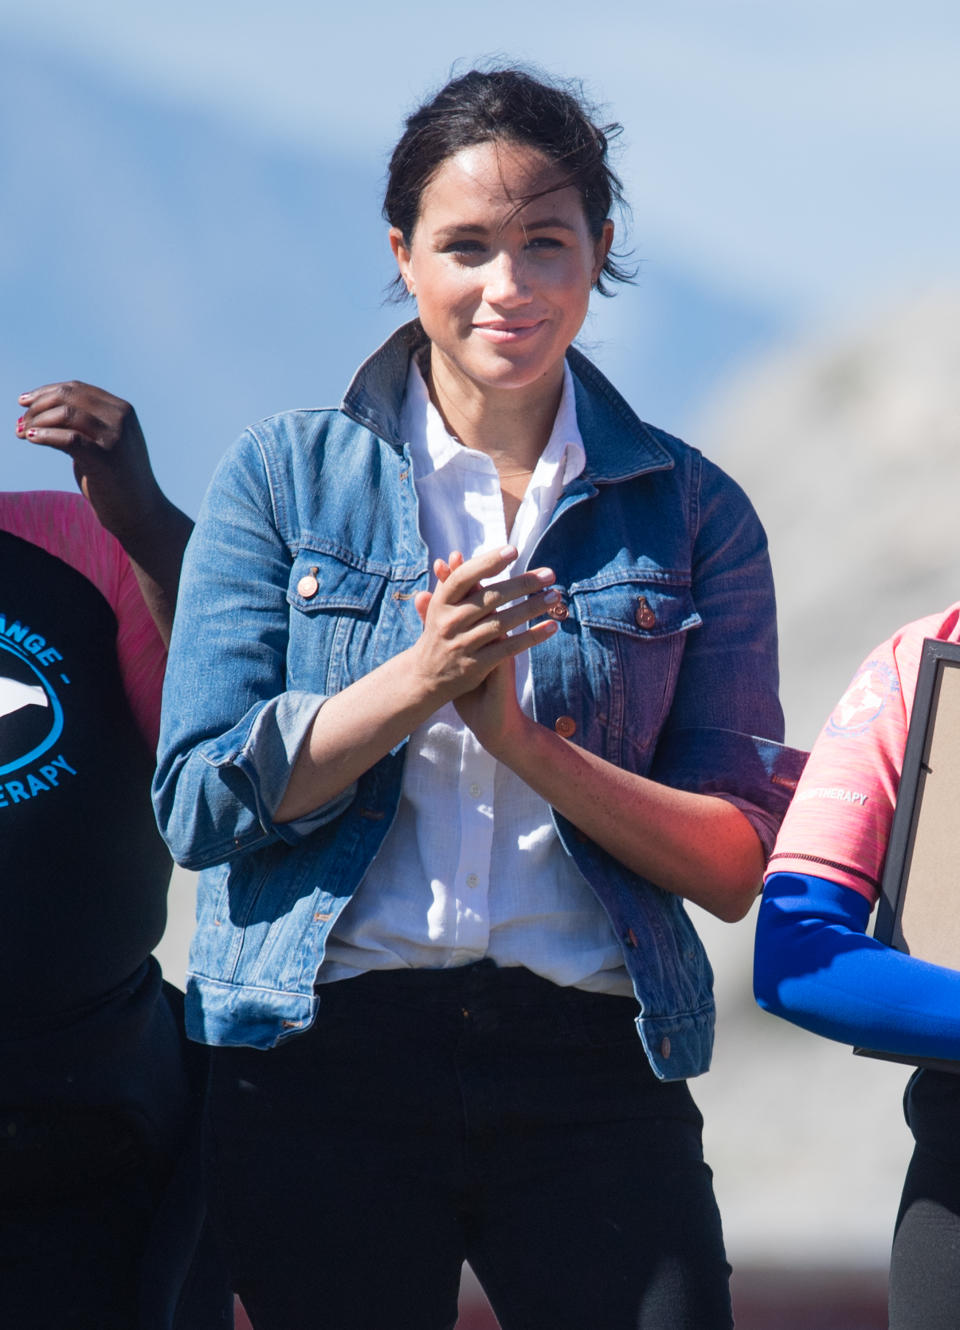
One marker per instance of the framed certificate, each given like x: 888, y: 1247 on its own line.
x: 919, y: 907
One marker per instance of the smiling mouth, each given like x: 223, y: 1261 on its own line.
x: 505, y: 333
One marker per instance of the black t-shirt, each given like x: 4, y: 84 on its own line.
x: 84, y: 872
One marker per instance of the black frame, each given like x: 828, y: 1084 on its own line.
x: 936, y: 657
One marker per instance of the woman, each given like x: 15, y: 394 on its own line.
x: 446, y: 826
x: 100, y: 1202
x: 816, y: 966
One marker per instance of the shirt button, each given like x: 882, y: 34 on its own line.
x: 472, y: 879
x: 665, y: 1047
x: 644, y: 616
x: 565, y: 726
x: 474, y: 791
x: 558, y: 611
x: 308, y: 586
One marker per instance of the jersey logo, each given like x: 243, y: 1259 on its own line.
x: 14, y: 696
x: 31, y: 717
x: 865, y: 700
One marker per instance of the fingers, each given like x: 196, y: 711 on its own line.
x: 421, y: 603
x: 470, y: 581
x: 443, y: 568
x: 73, y: 415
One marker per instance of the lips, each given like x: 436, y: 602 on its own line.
x: 503, y: 333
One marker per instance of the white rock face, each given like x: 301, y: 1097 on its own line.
x: 850, y: 450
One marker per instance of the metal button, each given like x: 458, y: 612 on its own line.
x: 665, y: 1047
x: 565, y: 726
x: 644, y: 616
x: 558, y: 611
x: 308, y: 586
x: 472, y: 879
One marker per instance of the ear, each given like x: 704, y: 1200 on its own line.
x: 402, y: 255
x: 602, y: 249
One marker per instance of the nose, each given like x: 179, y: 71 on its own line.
x: 506, y: 281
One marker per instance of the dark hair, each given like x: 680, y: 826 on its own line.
x: 510, y: 105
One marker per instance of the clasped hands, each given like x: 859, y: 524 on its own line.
x: 469, y: 639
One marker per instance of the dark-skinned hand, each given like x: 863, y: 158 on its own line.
x: 102, y: 436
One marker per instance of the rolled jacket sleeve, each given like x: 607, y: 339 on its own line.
x: 231, y: 728
x: 725, y: 728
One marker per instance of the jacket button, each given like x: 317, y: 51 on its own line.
x: 558, y: 611
x: 644, y: 615
x: 308, y: 586
x: 665, y: 1047
x: 565, y: 726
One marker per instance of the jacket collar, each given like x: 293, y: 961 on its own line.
x: 618, y: 443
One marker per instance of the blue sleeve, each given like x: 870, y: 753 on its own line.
x: 723, y: 734
x: 231, y: 726
x: 815, y: 965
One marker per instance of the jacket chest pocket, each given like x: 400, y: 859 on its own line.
x: 343, y: 622
x: 632, y: 639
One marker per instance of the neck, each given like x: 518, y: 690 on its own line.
x: 511, y: 425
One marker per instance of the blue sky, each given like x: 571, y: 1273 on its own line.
x: 797, y: 160
x: 806, y: 148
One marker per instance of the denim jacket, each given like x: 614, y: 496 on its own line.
x: 300, y: 577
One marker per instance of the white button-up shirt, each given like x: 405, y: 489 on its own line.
x: 472, y: 866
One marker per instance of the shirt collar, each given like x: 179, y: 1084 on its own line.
x: 432, y: 447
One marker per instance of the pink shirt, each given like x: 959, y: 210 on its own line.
x: 65, y: 526
x: 838, y: 824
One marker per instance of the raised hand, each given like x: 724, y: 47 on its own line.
x: 100, y: 433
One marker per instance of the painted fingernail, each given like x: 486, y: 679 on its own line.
x: 20, y: 425
x: 25, y: 398
x: 31, y: 433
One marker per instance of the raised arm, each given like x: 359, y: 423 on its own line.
x: 102, y: 436
x: 246, y: 756
x: 700, y: 826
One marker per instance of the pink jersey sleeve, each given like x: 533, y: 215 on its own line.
x: 65, y: 526
x: 839, y: 821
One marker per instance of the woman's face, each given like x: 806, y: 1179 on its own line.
x: 501, y: 290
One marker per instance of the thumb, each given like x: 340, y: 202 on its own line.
x: 421, y: 602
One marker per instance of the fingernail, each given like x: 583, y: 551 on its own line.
x: 31, y: 433
x: 544, y: 574
x: 551, y: 597
x: 20, y: 425
x: 25, y: 398
x: 508, y: 552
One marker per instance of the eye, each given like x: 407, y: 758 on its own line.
x: 465, y: 248
x: 545, y: 243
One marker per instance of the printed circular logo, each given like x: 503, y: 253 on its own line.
x: 866, y: 699
x: 31, y: 717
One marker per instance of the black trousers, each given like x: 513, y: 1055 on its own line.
x: 925, y: 1266
x: 480, y: 1114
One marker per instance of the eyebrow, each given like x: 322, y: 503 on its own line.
x: 476, y: 229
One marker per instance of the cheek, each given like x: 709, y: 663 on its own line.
x: 445, y: 294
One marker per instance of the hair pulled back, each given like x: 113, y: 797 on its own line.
x: 510, y: 105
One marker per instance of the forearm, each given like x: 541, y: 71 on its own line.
x: 695, y: 845
x: 353, y: 730
x: 816, y: 967
x: 155, y: 549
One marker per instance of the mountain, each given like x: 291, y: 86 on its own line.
x: 849, y: 446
